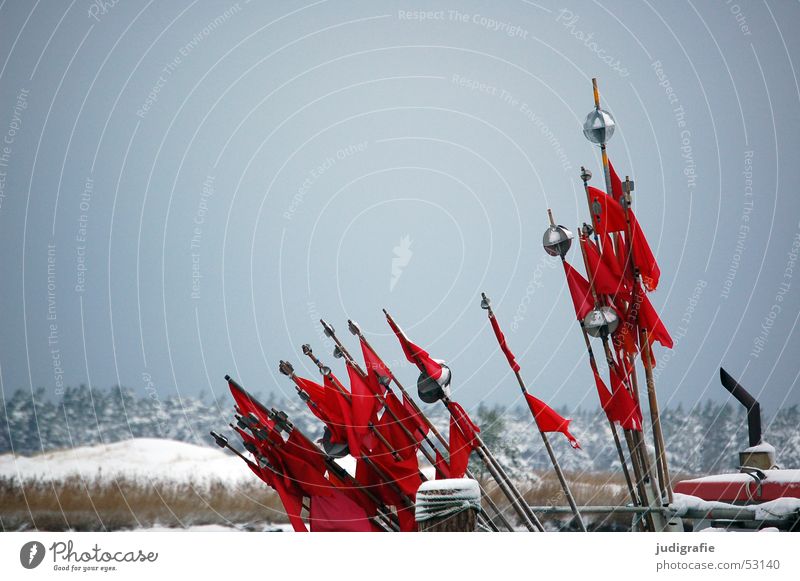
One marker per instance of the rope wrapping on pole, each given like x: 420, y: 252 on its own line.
x: 440, y: 499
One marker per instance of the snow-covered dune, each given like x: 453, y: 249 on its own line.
x: 142, y: 459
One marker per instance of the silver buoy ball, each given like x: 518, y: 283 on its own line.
x: 601, y: 322
x: 557, y: 241
x: 599, y: 126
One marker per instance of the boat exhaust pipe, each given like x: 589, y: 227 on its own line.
x: 748, y: 401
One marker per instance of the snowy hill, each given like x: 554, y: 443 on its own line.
x: 140, y: 459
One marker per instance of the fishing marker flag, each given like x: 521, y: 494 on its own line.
x: 414, y: 353
x: 549, y: 420
x: 501, y: 339
x: 463, y: 440
x: 579, y: 290
x: 376, y: 368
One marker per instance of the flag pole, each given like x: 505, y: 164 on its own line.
x: 356, y: 330
x: 593, y: 365
x: 556, y: 466
x: 529, y: 519
x: 632, y: 437
x: 655, y: 416
x: 331, y: 332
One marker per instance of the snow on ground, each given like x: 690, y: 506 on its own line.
x: 777, y: 476
x: 778, y: 508
x: 142, y: 459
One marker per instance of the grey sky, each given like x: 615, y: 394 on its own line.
x: 214, y: 177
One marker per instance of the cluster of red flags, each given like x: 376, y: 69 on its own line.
x: 295, y: 468
x: 610, y: 268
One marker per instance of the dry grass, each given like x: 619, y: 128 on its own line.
x: 587, y: 488
x: 75, y: 504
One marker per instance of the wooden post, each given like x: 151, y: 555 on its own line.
x: 449, y: 505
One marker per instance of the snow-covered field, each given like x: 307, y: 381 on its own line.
x: 141, y: 459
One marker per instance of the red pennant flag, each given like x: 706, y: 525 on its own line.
x: 463, y: 440
x: 292, y: 504
x: 398, y: 427
x: 416, y: 354
x: 248, y: 404
x: 376, y: 368
x: 340, y: 411
x: 421, y: 425
x: 501, y: 339
x: 605, y: 281
x: 619, y: 406
x: 642, y: 255
x: 579, y: 290
x: 338, y: 513
x: 649, y: 320
x: 549, y: 420
x: 442, y: 469
x: 616, y: 183
x: 608, y: 215
x: 364, y: 404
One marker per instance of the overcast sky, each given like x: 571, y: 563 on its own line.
x: 187, y: 187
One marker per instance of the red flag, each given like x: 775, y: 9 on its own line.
x: 579, y: 290
x: 293, y: 504
x: 421, y: 425
x: 463, y: 440
x: 398, y: 427
x: 605, y: 281
x: 338, y: 513
x: 416, y: 354
x: 442, y: 469
x: 549, y: 420
x: 616, y: 183
x: 376, y: 368
x: 619, y: 405
x: 364, y: 404
x: 626, y: 409
x: 340, y: 411
x: 649, y: 320
x: 248, y: 404
x: 608, y: 215
x: 501, y: 339
x: 642, y: 255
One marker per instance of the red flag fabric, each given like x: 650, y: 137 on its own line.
x: 364, y: 404
x: 649, y: 320
x: 642, y: 255
x: 292, y: 504
x: 463, y: 440
x: 579, y: 290
x: 619, y: 405
x: 421, y: 426
x: 607, y: 214
x: 442, y: 469
x: 501, y: 339
x: 604, y: 279
x: 625, y: 408
x: 616, y: 183
x: 398, y: 427
x: 338, y: 513
x: 376, y: 368
x: 340, y: 411
x: 248, y: 404
x: 416, y: 354
x: 549, y: 420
